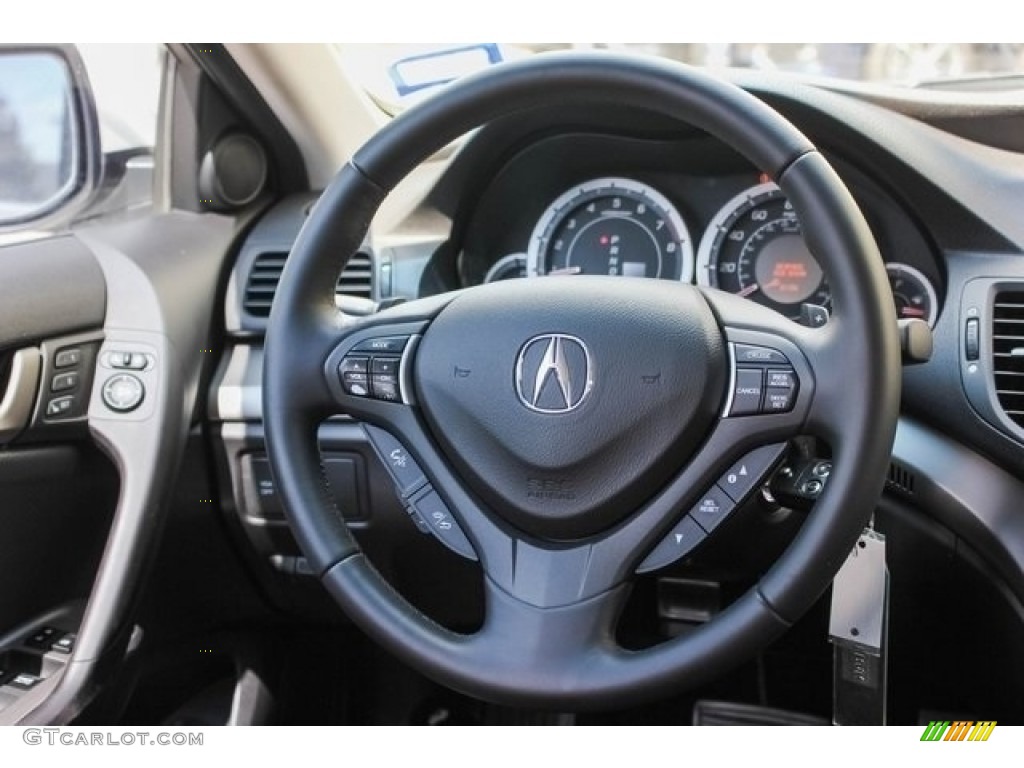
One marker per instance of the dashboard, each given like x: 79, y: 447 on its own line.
x: 685, y: 210
x: 551, y: 194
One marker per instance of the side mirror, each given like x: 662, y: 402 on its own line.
x: 49, y: 138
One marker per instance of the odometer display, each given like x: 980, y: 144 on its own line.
x: 753, y: 247
x: 611, y: 226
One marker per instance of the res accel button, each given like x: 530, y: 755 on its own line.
x: 781, y: 379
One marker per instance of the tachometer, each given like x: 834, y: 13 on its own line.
x: 611, y: 226
x: 753, y: 247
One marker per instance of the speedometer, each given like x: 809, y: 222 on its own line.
x: 753, y: 247
x: 611, y: 226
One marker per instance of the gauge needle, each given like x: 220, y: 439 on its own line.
x: 567, y: 271
x: 750, y: 289
x: 913, y: 311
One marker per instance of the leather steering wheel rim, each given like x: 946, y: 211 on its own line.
x: 562, y: 653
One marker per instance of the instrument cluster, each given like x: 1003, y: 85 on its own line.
x: 752, y: 247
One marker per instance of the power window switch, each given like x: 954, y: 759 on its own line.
x: 64, y: 644
x: 43, y: 637
x: 24, y: 681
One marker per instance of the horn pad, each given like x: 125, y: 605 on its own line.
x: 565, y: 403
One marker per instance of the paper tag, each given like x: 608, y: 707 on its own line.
x: 858, y: 595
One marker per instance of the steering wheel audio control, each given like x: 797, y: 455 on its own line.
x: 372, y: 369
x: 763, y: 381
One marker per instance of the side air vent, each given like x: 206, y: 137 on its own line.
x: 263, y: 279
x: 355, y: 280
x: 1008, y: 352
x: 900, y: 479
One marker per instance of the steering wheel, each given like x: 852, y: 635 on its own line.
x: 568, y: 432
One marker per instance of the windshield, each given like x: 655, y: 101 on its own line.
x: 397, y: 75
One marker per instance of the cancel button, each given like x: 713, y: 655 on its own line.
x: 749, y: 388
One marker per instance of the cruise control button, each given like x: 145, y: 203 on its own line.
x: 386, y: 388
x: 680, y: 542
x: 405, y: 472
x: 779, y: 400
x: 712, y: 509
x: 441, y: 523
x: 748, y: 353
x: 748, y: 472
x: 746, y: 396
x: 387, y: 344
x: 781, y: 379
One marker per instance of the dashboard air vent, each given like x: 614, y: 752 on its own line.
x: 1008, y: 352
x: 355, y: 280
x: 900, y: 479
x: 263, y: 279
x: 357, y: 277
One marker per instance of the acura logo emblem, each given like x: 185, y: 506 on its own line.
x: 553, y: 373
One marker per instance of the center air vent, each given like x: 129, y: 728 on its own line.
x: 357, y: 277
x: 1008, y: 352
x: 355, y: 280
